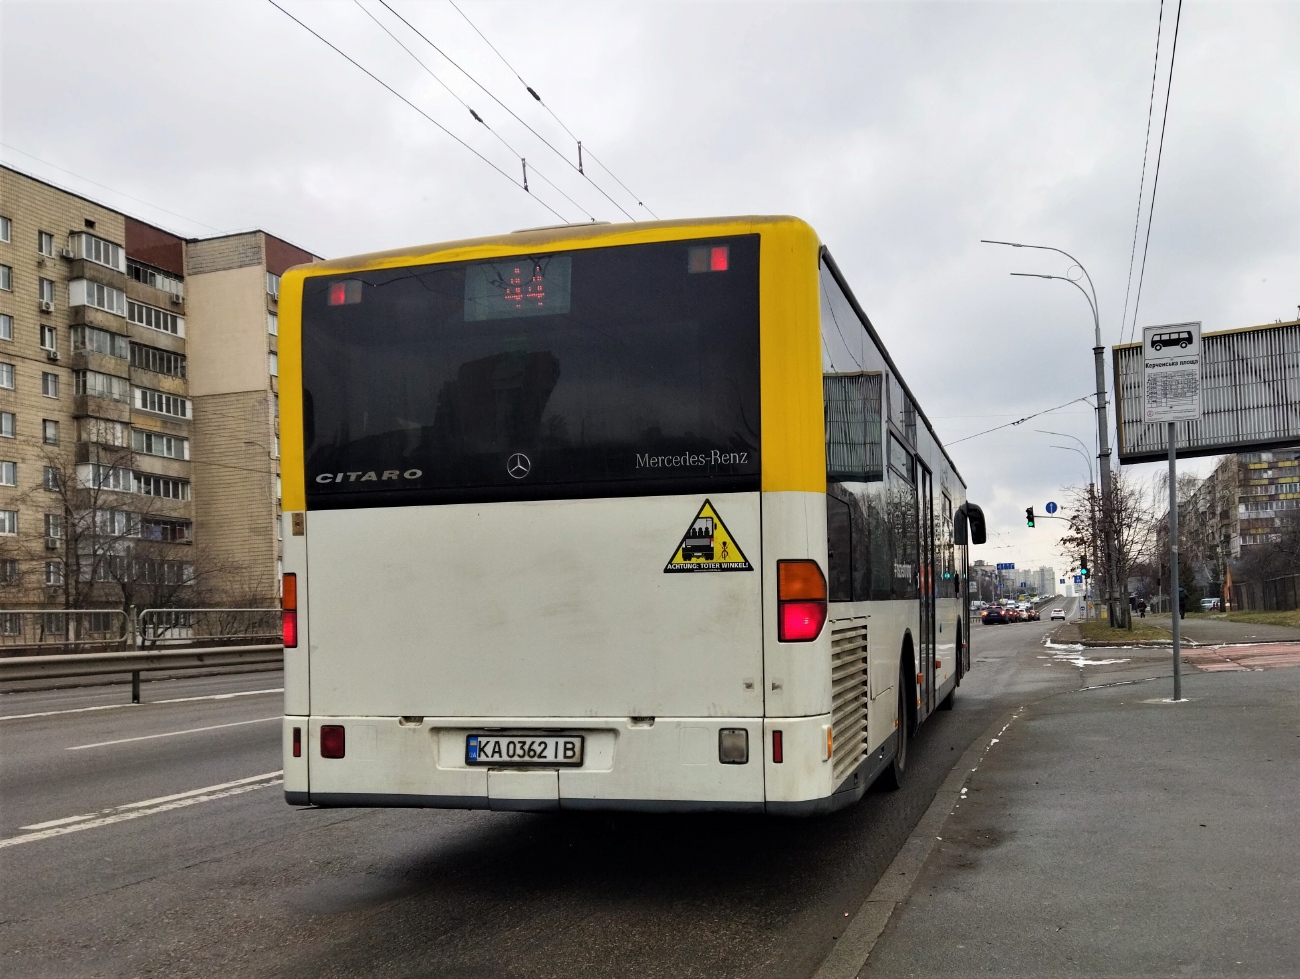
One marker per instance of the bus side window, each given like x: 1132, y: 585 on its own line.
x: 839, y: 548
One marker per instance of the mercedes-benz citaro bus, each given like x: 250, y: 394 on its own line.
x: 631, y: 517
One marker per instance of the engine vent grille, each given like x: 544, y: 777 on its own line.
x: 849, y: 694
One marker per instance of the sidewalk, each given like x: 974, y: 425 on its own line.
x: 1207, y: 631
x: 1110, y: 832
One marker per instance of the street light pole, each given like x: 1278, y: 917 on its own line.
x: 1103, y: 423
x: 1092, y: 485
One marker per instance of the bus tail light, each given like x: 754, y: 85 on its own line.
x: 289, y: 602
x: 778, y: 749
x: 332, y: 741
x: 801, y: 601
x: 297, y: 742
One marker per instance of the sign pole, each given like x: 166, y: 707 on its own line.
x: 1174, y: 604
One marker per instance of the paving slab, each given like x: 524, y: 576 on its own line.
x: 1111, y: 832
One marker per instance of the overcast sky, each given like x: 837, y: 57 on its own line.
x: 904, y: 132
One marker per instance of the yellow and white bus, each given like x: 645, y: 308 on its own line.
x: 607, y: 517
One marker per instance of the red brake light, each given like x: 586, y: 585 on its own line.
x: 718, y: 258
x: 344, y: 293
x: 331, y: 741
x: 289, y: 629
x: 778, y: 752
x: 801, y: 601
x: 289, y: 602
x: 297, y: 742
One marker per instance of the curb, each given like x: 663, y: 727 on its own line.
x: 850, y: 953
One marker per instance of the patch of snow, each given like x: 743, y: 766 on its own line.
x: 1082, y: 661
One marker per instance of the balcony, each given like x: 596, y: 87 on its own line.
x: 81, y: 268
x: 87, y: 405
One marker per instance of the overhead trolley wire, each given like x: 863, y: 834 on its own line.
x: 533, y: 92
x: 426, y: 115
x: 1160, y: 150
x: 1146, y: 145
x: 1018, y: 421
x: 429, y: 71
x: 512, y: 112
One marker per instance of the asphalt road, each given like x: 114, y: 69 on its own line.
x: 154, y: 840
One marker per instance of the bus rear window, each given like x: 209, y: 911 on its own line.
x: 630, y: 370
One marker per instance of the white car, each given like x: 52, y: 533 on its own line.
x: 1058, y: 613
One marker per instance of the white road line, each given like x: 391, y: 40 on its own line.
x: 149, y: 807
x: 174, y: 700
x: 172, y: 734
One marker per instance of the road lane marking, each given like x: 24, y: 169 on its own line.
x: 173, y: 734
x: 174, y: 700
x: 149, y: 807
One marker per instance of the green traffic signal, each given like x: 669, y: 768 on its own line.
x: 1029, y: 516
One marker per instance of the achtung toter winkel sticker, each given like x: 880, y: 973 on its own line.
x: 708, y: 545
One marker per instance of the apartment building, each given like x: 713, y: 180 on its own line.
x: 234, y: 291
x: 114, y: 487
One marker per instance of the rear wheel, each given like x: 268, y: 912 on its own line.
x: 893, y: 775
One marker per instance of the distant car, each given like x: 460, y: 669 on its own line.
x: 1013, y: 614
x: 1210, y: 605
x: 1058, y: 613
x: 1031, y: 614
x: 993, y: 615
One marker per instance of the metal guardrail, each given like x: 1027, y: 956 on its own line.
x: 63, y: 666
x: 62, y: 627
x: 167, y: 626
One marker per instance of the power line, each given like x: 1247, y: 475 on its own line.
x: 1146, y: 143
x: 512, y: 112
x: 470, y: 108
x: 108, y: 188
x: 394, y: 91
x: 1155, y: 181
x: 1018, y: 421
x: 533, y: 92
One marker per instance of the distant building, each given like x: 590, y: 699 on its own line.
x: 142, y: 366
x: 1046, y: 582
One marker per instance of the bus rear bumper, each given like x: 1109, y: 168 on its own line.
x: 630, y: 764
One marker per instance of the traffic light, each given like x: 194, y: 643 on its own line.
x: 1029, y: 516
x: 1083, y: 566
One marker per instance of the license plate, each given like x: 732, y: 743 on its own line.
x: 545, y: 750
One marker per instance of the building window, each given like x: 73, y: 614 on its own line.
x: 46, y: 290
x: 8, y: 474
x: 167, y: 531
x: 51, y: 479
x: 49, y: 384
x: 49, y: 432
x: 157, y: 444
x: 273, y: 324
x: 273, y: 360
x: 45, y: 243
x: 8, y: 575
x: 53, y: 526
x: 99, y: 251
x: 153, y: 277
x: 146, y: 484
x: 54, y: 572
x: 6, y: 229
x: 49, y: 339
x: 155, y: 319
x: 6, y: 326
x: 7, y: 376
x: 273, y: 285
x: 100, y: 341
x: 162, y: 404
x: 8, y: 522
x: 101, y: 430
x: 6, y: 278
x: 99, y: 385
x: 6, y: 424
x: 93, y: 475
x: 158, y: 361
x: 83, y: 292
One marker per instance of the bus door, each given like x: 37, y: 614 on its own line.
x: 925, y: 514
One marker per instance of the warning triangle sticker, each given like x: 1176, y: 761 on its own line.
x: 707, y: 545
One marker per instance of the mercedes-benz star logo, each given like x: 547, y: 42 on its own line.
x: 519, y: 465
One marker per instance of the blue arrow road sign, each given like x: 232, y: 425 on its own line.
x: 1050, y: 508
x: 1078, y: 579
